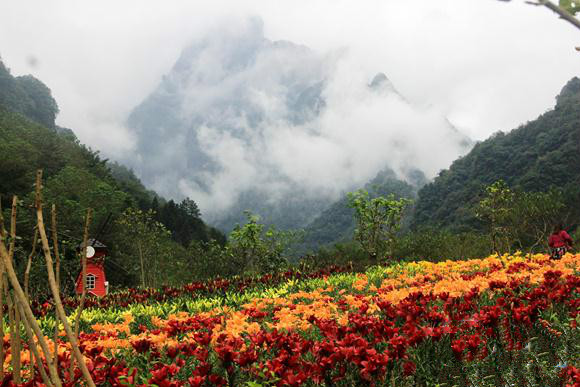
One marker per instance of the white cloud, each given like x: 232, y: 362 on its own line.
x: 241, y: 100
x: 484, y: 64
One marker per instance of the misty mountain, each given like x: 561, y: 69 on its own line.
x: 242, y: 122
x: 541, y: 154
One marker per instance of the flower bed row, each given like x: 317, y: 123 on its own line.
x: 193, y: 290
x: 497, y: 321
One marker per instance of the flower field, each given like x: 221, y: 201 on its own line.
x: 498, y: 321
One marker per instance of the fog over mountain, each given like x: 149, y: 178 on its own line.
x: 240, y: 114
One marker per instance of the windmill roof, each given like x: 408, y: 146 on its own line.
x: 93, y: 242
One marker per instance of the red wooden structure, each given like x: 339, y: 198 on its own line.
x: 96, y: 282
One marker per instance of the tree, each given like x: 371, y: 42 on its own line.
x: 190, y: 208
x: 534, y: 216
x: 378, y: 222
x: 518, y: 218
x: 566, y: 9
x: 139, y: 229
x: 212, y: 259
x: 495, y: 209
x: 258, y: 248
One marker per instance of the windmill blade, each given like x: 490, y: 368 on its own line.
x: 102, y: 228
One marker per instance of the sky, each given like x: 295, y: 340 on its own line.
x: 485, y: 65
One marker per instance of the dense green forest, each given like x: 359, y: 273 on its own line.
x: 541, y: 154
x: 76, y: 178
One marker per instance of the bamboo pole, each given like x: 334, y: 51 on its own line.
x: 57, y: 269
x: 52, y: 282
x: 29, y: 264
x: 2, y: 228
x: 84, y: 282
x: 142, y: 265
x: 1, y: 319
x: 55, y: 243
x: 13, y: 227
x: 26, y: 280
x: 33, y: 347
x: 16, y: 305
x: 14, y: 350
x: 2, y: 284
x: 28, y: 312
x: 8, y: 268
x: 14, y: 313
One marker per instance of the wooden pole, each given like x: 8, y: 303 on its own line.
x: 28, y: 312
x: 14, y: 350
x: 84, y: 282
x: 2, y: 236
x: 57, y: 269
x: 8, y: 267
x: 142, y: 264
x: 2, y: 319
x: 33, y: 347
x: 29, y: 264
x: 52, y: 281
x: 14, y: 313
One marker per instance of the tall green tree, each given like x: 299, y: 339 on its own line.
x: 520, y: 219
x: 495, y: 210
x: 533, y: 217
x: 145, y: 242
x: 260, y: 249
x: 378, y: 222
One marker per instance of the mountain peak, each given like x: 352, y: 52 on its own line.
x: 382, y: 83
x: 570, y: 90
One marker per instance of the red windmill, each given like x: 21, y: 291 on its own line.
x: 96, y: 282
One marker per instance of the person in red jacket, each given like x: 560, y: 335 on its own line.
x: 559, y: 242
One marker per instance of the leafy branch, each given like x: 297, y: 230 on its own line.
x: 566, y: 9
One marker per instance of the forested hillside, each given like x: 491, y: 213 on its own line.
x: 28, y: 96
x: 76, y: 178
x: 541, y: 154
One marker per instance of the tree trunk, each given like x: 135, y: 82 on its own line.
x: 84, y: 282
x: 29, y: 264
x: 142, y: 264
x: 57, y: 269
x: 15, y: 328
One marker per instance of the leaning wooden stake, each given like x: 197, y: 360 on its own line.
x: 2, y: 236
x: 14, y: 313
x: 19, y: 294
x: 52, y: 281
x: 29, y: 264
x: 84, y: 266
x: 33, y: 347
x: 2, y: 319
x: 28, y: 313
x: 26, y: 280
x: 14, y: 347
x: 84, y: 284
x: 57, y: 269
